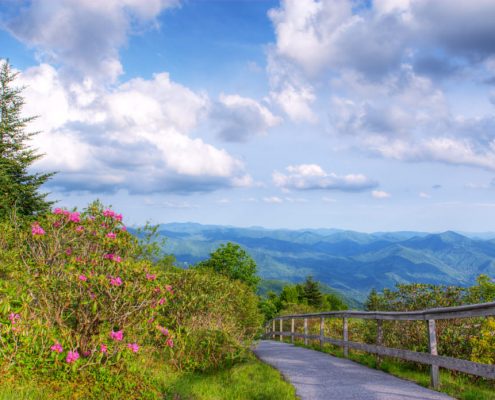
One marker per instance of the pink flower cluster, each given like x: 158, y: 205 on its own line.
x: 117, y: 336
x: 112, y: 214
x: 72, y: 356
x: 163, y: 330
x: 104, y: 348
x: 14, y: 318
x: 83, y: 278
x: 37, y: 230
x: 57, y: 347
x: 111, y: 235
x: 169, y: 342
x: 73, y: 216
x: 112, y: 257
x: 133, y: 346
x: 151, y: 277
x: 115, y: 281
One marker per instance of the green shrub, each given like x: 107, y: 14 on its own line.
x: 214, y: 319
x: 81, y: 297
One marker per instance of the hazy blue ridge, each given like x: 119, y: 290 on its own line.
x: 350, y: 262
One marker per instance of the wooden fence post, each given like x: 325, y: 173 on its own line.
x: 273, y: 329
x: 379, y: 338
x: 305, y: 331
x: 281, y: 329
x: 292, y: 330
x: 322, y: 331
x: 432, y: 342
x: 346, y: 337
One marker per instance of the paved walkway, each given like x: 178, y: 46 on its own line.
x: 319, y: 376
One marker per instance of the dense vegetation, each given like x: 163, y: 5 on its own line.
x: 300, y: 298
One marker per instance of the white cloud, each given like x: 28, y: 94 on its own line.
x: 380, y: 194
x: 424, y: 195
x: 313, y: 177
x: 382, y: 70
x: 133, y: 136
x: 238, y: 118
x: 84, y: 35
x: 273, y: 200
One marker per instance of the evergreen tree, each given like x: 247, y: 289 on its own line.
x: 19, y: 189
x: 312, y: 292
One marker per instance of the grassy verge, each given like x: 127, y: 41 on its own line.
x: 459, y: 386
x: 150, y: 378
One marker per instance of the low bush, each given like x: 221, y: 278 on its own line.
x: 213, y: 317
x: 76, y: 294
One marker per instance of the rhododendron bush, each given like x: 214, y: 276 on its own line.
x: 82, y: 293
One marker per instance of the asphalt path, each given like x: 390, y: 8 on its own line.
x: 320, y: 376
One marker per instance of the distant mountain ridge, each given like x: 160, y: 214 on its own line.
x: 351, y: 262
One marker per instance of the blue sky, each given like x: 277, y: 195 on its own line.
x: 348, y: 114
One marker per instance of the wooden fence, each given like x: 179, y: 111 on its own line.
x: 429, y: 316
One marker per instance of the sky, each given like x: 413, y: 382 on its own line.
x: 353, y: 114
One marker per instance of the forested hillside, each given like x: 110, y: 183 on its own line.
x: 351, y: 262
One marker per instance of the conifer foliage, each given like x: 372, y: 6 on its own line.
x: 19, y: 189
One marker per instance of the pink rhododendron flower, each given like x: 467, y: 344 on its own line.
x: 169, y: 289
x: 133, y: 346
x: 57, y: 347
x: 169, y: 342
x: 75, y: 217
x: 163, y: 330
x: 86, y: 353
x: 115, y: 281
x: 57, y: 224
x: 58, y: 211
x: 151, y: 277
x: 14, y: 318
x: 68, y: 251
x: 37, y: 230
x: 117, y: 259
x: 109, y: 256
x: 108, y: 213
x: 72, y: 356
x: 162, y: 301
x: 104, y: 348
x: 118, y: 217
x: 117, y: 336
x: 123, y: 229
x: 111, y: 235
x: 79, y: 228
x: 83, y: 278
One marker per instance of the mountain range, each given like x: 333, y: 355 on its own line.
x: 351, y: 262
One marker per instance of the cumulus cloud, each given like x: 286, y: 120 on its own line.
x: 385, y: 71
x: 380, y: 194
x: 84, y: 35
x: 313, y: 177
x: 238, y: 118
x: 134, y: 136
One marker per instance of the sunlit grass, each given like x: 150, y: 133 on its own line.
x: 151, y: 378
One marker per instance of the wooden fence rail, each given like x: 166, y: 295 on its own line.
x: 430, y: 316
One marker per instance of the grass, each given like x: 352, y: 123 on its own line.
x: 151, y: 378
x: 457, y: 385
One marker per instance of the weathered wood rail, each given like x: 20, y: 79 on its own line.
x: 429, y: 316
